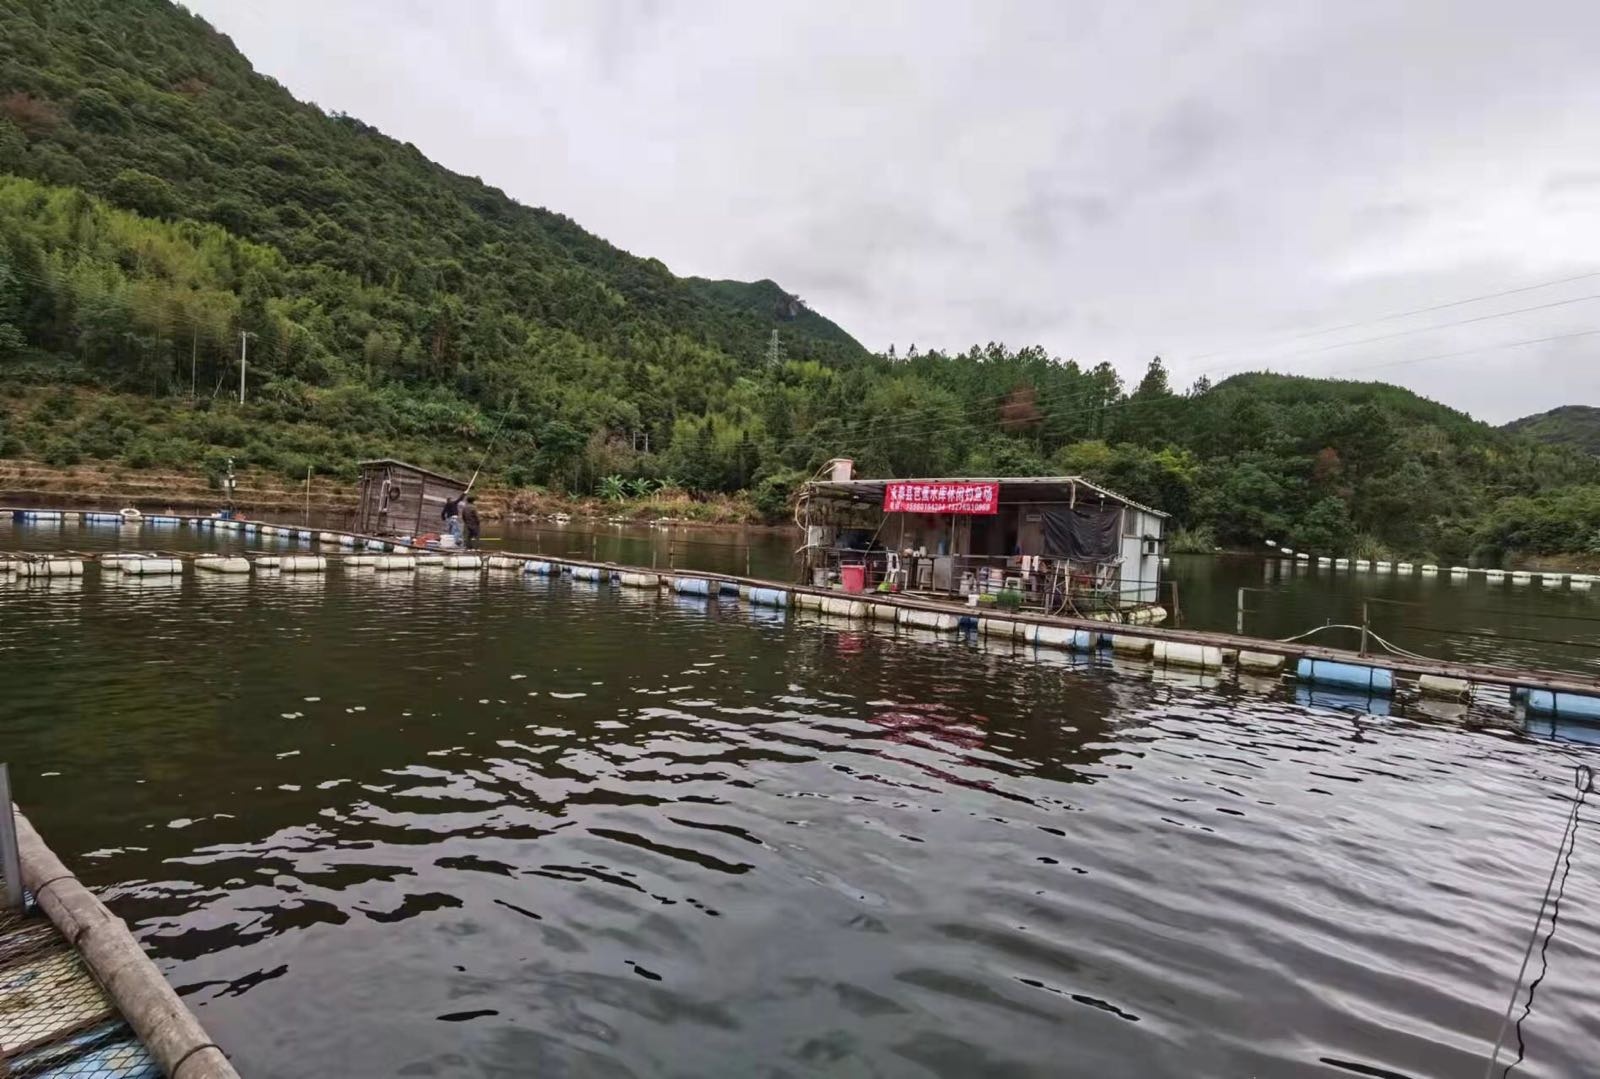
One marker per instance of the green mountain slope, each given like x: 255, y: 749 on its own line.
x: 386, y: 269
x: 1577, y: 426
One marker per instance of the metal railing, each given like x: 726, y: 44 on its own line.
x: 1057, y: 586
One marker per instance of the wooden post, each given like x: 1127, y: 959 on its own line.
x: 1363, y: 627
x: 308, y: 496
x: 747, y: 554
x: 594, y: 546
x: 10, y: 864
x: 672, y: 550
x: 1177, y: 610
x: 1238, y: 625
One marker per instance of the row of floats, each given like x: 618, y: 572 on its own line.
x: 1367, y: 679
x: 166, y: 565
x: 381, y: 555
x: 1549, y: 578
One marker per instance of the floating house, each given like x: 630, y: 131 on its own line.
x: 1059, y: 544
x: 398, y: 499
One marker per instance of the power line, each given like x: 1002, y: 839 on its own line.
x: 1397, y: 314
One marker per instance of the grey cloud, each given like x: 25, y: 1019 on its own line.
x: 1109, y: 180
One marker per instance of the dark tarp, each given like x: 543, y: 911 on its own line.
x: 1082, y: 533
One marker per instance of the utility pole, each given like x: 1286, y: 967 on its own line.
x: 244, y: 348
x: 774, y: 350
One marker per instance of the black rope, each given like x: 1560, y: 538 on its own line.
x: 1583, y: 779
x: 185, y: 1058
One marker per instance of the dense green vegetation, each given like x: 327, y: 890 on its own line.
x: 1577, y: 426
x: 158, y: 199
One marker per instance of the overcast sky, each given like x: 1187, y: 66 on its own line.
x: 1202, y: 181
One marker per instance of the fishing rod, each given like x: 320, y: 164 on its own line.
x: 492, y: 440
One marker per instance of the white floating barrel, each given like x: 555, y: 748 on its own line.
x: 883, y: 612
x: 1521, y: 578
x: 327, y: 537
x: 1132, y: 646
x: 427, y: 559
x: 844, y: 608
x: 152, y: 567
x: 302, y: 563
x: 1301, y: 556
x: 639, y: 580
x: 463, y: 561
x: 1261, y: 662
x: 543, y: 569
x: 499, y: 561
x: 218, y: 564
x: 1403, y: 567
x: 1494, y: 576
x: 1429, y: 569
x: 587, y: 573
x: 51, y: 567
x: 393, y: 562
x: 1185, y: 654
x: 1439, y: 687
x: 268, y: 562
x: 943, y: 621
x: 39, y: 515
x: 1078, y: 640
x: 347, y: 540
x: 689, y: 586
x: 1458, y: 571
x: 1321, y: 561
x: 1579, y: 582
x: 1001, y: 627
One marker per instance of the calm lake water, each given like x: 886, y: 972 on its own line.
x: 436, y: 824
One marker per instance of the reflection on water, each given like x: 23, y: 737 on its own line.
x: 437, y: 823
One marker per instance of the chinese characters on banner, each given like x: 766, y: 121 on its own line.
x: 978, y: 499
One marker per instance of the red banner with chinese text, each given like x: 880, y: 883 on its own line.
x: 917, y: 496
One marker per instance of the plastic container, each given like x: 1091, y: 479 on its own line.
x: 853, y: 578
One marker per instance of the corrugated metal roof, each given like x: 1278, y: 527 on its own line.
x: 1062, y: 484
x: 414, y: 468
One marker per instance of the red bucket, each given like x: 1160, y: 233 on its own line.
x: 854, y: 578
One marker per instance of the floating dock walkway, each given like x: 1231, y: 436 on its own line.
x: 78, y: 996
x: 1544, y: 692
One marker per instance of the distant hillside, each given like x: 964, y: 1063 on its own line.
x: 385, y: 296
x: 1577, y: 426
x: 766, y: 300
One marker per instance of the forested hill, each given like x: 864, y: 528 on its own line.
x: 160, y: 202
x: 149, y: 107
x: 1577, y: 426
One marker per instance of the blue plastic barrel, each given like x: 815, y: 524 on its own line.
x: 1327, y: 672
x: 769, y: 597
x: 1549, y: 702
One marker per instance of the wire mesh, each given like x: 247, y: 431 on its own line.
x: 55, y: 1021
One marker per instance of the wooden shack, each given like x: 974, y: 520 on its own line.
x: 398, y: 499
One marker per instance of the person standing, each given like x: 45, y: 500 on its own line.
x: 469, y: 522
x: 451, y: 515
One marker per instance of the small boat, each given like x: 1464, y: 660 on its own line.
x: 131, y: 514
